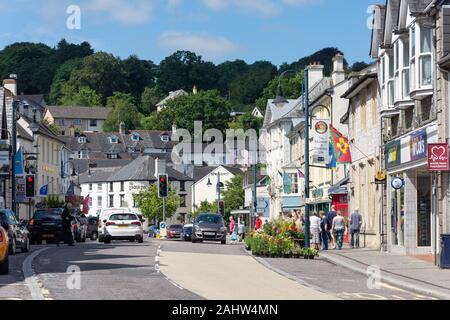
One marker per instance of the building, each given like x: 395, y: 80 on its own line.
x: 364, y: 129
x: 114, y: 187
x: 205, y: 179
x: 32, y: 104
x: 405, y: 46
x: 172, y: 95
x: 262, y: 194
x: 77, y: 119
x: 257, y: 113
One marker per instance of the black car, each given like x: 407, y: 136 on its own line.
x: 46, y: 224
x: 17, y: 233
x: 92, y: 228
x: 186, y: 235
x: 209, y: 227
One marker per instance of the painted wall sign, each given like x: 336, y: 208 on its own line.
x: 438, y: 157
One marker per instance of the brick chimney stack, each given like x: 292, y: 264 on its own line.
x: 338, y: 69
x: 315, y: 73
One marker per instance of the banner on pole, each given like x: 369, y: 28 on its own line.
x: 321, y: 141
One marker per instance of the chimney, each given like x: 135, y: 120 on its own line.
x: 72, y: 131
x: 195, y: 90
x: 11, y: 84
x: 315, y: 73
x: 174, y: 129
x: 338, y: 69
x: 122, y: 128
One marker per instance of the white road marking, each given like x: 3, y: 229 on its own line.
x: 30, y: 276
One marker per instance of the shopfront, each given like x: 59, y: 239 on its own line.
x: 409, y: 193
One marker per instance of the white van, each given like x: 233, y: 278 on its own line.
x: 104, y: 215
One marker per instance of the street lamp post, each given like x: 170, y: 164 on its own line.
x: 218, y: 188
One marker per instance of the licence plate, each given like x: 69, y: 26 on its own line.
x: 123, y: 226
x: 46, y: 236
x: 210, y: 234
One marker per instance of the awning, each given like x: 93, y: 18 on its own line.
x: 340, y: 187
x: 292, y: 202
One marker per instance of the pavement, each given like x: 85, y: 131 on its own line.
x: 407, y: 272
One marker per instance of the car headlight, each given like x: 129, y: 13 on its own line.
x: 196, y: 228
x: 223, y: 229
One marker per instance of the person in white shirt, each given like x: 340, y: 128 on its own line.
x: 314, y: 221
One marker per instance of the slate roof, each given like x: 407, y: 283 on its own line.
x: 34, y: 100
x: 143, y: 169
x: 22, y: 133
x: 172, y: 95
x: 418, y: 6
x: 86, y: 113
x: 201, y: 172
x: 82, y: 165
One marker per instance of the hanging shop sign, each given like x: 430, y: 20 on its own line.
x: 380, y: 177
x: 438, y: 157
x: 321, y: 141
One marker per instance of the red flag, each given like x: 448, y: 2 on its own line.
x: 301, y: 175
x: 341, y: 147
x: 85, y: 204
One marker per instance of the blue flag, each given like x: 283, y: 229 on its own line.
x: 332, y: 163
x: 71, y: 190
x: 18, y: 162
x: 287, y: 183
x: 44, y: 190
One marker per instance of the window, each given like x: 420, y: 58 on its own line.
x: 135, y: 137
x: 77, y: 122
x: 113, y: 156
x: 60, y: 122
x: 294, y: 179
x: 413, y: 58
x: 405, y: 70
x: 395, y: 121
x: 90, y: 186
x: 391, y: 83
x: 182, y: 186
x: 409, y: 117
x: 183, y: 201
x: 122, y: 201
x: 100, y: 201
x: 111, y: 187
x: 425, y: 109
x: 83, y: 154
x: 82, y: 139
x: 165, y: 138
x: 122, y: 186
x: 426, y: 36
x: 93, y: 123
x: 90, y: 202
x: 397, y: 67
x: 111, y: 201
x: 100, y: 187
x: 114, y: 140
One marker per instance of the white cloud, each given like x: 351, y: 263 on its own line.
x: 206, y: 45
x: 123, y: 11
x: 174, y: 3
x: 263, y: 7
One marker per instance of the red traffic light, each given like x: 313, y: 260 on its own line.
x: 162, y: 179
x: 30, y: 179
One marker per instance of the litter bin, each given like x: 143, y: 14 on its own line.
x: 445, y: 251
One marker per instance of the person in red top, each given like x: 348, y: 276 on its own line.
x: 258, y: 223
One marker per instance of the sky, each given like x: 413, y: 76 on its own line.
x: 219, y: 30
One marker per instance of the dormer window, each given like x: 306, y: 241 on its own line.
x: 114, y: 140
x: 82, y: 140
x: 135, y: 137
x: 165, y: 138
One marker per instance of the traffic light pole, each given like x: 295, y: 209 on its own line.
x: 13, y: 161
x: 218, y: 191
x: 164, y: 209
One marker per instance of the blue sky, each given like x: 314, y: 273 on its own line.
x: 275, y: 30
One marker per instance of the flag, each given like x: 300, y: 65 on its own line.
x: 281, y: 175
x: 341, y: 147
x: 44, y: 190
x: 71, y: 189
x: 18, y: 162
x: 332, y: 163
x: 287, y: 183
x: 85, y: 204
x: 301, y: 175
x: 268, y: 181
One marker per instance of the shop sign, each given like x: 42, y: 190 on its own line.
x: 393, y: 154
x: 438, y: 157
x: 4, y: 158
x: 380, y: 177
x: 418, y: 145
x: 321, y: 141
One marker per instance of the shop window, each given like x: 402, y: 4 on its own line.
x: 409, y: 117
x: 423, y: 210
x: 425, y: 109
x: 395, y: 122
x: 294, y: 179
x: 398, y: 216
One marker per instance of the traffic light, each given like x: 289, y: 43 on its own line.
x: 163, y: 185
x: 222, y: 207
x: 30, y: 186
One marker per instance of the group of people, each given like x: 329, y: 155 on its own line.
x: 331, y: 228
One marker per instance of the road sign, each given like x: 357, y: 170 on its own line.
x: 163, y: 230
x: 20, y: 190
x: 438, y: 157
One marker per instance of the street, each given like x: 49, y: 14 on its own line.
x: 126, y: 271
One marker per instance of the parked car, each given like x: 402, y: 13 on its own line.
x: 186, y: 234
x: 104, y: 215
x: 46, y: 224
x: 123, y: 226
x: 209, y: 227
x: 79, y: 228
x: 174, y: 231
x: 18, y: 235
x: 4, y: 247
x: 153, y: 231
x: 92, y: 228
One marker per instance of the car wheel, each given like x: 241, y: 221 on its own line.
x: 94, y: 236
x: 26, y: 248
x: 13, y: 247
x: 101, y: 238
x: 4, y: 266
x: 132, y: 240
x: 141, y: 240
x: 194, y: 241
x: 223, y: 242
x: 107, y: 240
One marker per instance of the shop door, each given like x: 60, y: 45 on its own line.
x: 423, y: 210
x: 340, y: 202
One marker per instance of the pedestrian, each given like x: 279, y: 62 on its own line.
x: 355, y: 228
x: 301, y: 218
x: 67, y: 225
x: 324, y: 230
x: 241, y: 231
x: 315, y: 230
x: 258, y: 223
x: 338, y: 229
x: 330, y: 216
x: 232, y: 229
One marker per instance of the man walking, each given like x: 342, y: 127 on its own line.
x: 330, y: 217
x: 67, y: 225
x: 355, y: 228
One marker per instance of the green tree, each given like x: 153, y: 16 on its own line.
x: 151, y: 205
x: 139, y: 74
x: 206, y: 207
x: 247, y: 121
x: 66, y: 51
x: 234, y: 194
x: 60, y: 79
x: 84, y: 96
x: 124, y: 110
x: 149, y: 99
x: 228, y: 72
x: 52, y: 126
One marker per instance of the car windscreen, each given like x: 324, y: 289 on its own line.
x: 52, y: 214
x: 123, y: 217
x: 176, y: 226
x: 209, y: 219
x: 187, y: 229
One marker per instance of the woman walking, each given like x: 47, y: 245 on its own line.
x: 315, y: 230
x: 324, y: 230
x: 339, y: 229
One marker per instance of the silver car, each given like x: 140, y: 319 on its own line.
x: 209, y: 227
x: 123, y: 226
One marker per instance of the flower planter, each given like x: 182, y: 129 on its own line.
x: 295, y: 256
x: 305, y: 257
x: 311, y: 257
x: 286, y: 256
x: 247, y: 248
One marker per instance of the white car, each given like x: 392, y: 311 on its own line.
x: 104, y: 215
x: 123, y: 226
